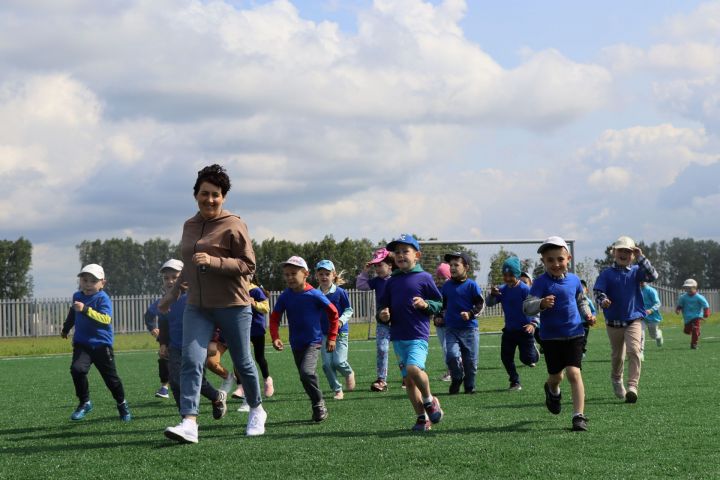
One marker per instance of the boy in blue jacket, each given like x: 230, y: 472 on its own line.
x: 410, y: 297
x: 519, y: 329
x: 559, y: 299
x: 91, y: 315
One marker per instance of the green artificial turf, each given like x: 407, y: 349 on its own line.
x: 672, y: 432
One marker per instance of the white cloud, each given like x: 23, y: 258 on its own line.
x: 611, y: 178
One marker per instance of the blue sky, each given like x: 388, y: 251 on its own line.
x: 460, y: 120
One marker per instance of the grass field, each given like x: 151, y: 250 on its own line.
x: 672, y: 432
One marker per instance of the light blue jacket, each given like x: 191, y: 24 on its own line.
x: 651, y: 301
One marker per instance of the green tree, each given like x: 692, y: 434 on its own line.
x: 495, y: 276
x: 15, y: 261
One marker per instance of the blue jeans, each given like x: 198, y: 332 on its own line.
x: 440, y: 332
x: 382, y: 342
x: 523, y: 341
x: 336, y: 361
x: 461, y: 345
x: 198, y: 327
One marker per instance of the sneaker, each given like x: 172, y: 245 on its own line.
x: 245, y: 407
x: 422, y: 424
x: 256, y: 422
x: 320, y: 413
x: 659, y: 340
x: 515, y: 386
x: 162, y: 392
x: 350, y: 382
x: 619, y: 389
x: 533, y: 365
x: 579, y: 423
x: 433, y: 410
x: 403, y: 386
x: 219, y: 406
x: 641, y: 355
x: 82, y: 410
x: 124, y: 411
x: 339, y: 395
x: 552, y: 402
x: 446, y: 378
x: 269, y: 387
x: 631, y: 396
x: 238, y: 393
x: 379, y: 385
x: 455, y: 387
x: 228, y: 383
x: 470, y: 391
x: 185, y: 432
x: 694, y: 347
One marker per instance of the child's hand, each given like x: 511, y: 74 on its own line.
x: 78, y: 306
x: 677, y: 311
x: 547, y: 302
x: 465, y: 316
x: 606, y: 303
x: 529, y: 328
x: 419, y: 303
x: 648, y: 312
x: 63, y: 335
x: 384, y: 315
x: 278, y: 345
x: 637, y: 251
x: 591, y: 320
x: 155, y: 332
x: 212, y: 349
x: 495, y: 292
x: 163, y: 352
x: 330, y: 347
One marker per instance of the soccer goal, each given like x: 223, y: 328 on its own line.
x: 488, y: 257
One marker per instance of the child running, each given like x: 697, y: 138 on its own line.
x: 383, y: 264
x: 558, y: 296
x: 463, y: 302
x: 91, y: 315
x: 593, y: 310
x: 694, y: 308
x: 151, y: 323
x: 651, y: 304
x: 336, y: 361
x: 410, y: 297
x: 305, y: 306
x: 617, y: 291
x: 519, y: 328
x: 442, y: 275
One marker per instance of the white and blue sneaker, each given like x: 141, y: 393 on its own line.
x: 124, y: 411
x: 162, y: 392
x: 81, y: 410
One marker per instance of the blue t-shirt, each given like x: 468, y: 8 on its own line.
x: 692, y: 306
x: 339, y: 297
x: 407, y: 322
x: 460, y: 297
x: 305, y: 312
x: 89, y: 332
x: 378, y: 285
x: 622, y: 287
x: 563, y: 319
x: 174, y: 319
x: 257, y: 326
x: 511, y: 299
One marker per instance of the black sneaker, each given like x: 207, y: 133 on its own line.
x: 579, y: 423
x: 320, y: 413
x: 124, y: 411
x: 219, y: 406
x: 552, y: 402
x: 631, y: 396
x: 455, y: 386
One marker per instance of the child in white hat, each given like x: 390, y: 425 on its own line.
x: 694, y: 308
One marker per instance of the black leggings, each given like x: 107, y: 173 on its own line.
x: 258, y: 344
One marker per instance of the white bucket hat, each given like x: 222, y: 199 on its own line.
x: 690, y: 283
x: 624, y: 242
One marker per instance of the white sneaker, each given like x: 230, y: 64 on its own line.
x: 185, y: 432
x: 339, y: 395
x: 256, y: 422
x: 619, y: 389
x: 641, y: 355
x: 228, y: 384
x: 245, y: 407
x: 659, y: 339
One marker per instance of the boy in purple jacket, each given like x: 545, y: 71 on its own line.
x: 410, y: 297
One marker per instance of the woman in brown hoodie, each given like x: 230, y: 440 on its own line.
x: 219, y: 263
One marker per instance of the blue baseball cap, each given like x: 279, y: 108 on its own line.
x: 406, y: 239
x: 325, y: 265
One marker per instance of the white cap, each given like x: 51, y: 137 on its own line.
x: 172, y: 264
x: 690, y: 283
x: 93, y: 269
x: 624, y: 242
x: 553, y: 242
x: 297, y: 261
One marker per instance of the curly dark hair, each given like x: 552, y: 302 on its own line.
x: 214, y: 174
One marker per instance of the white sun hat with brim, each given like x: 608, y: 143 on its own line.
x: 93, y: 269
x: 690, y: 283
x: 173, y: 264
x: 625, y: 243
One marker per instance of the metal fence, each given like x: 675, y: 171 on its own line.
x: 38, y: 317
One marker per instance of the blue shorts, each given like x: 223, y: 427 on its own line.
x: 410, y: 352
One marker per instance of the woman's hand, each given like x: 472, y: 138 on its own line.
x: 201, y: 259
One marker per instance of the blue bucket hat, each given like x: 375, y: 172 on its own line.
x: 512, y: 265
x: 325, y: 265
x: 406, y: 239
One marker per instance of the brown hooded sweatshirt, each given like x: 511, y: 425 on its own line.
x: 226, y: 281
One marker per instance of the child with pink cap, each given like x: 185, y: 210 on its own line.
x: 442, y: 275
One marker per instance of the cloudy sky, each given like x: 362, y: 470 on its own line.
x: 461, y: 120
